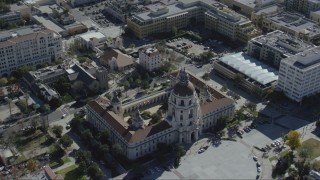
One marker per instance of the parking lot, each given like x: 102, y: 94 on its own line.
x: 95, y: 12
x: 192, y: 47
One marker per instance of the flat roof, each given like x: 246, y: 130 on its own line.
x: 306, y: 59
x: 92, y: 34
x: 48, y: 24
x: 296, y: 23
x: 172, y: 9
x: 250, y: 67
x: 282, y: 42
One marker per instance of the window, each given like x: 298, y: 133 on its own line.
x: 182, y: 103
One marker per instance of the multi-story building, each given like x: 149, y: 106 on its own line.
x: 315, y: 16
x: 187, y: 116
x: 293, y: 24
x: 28, y: 46
x: 11, y: 16
x: 150, y: 58
x: 299, y: 75
x: 275, y: 46
x: 215, y: 16
x: 253, y: 73
x: 302, y: 6
x: 248, y: 6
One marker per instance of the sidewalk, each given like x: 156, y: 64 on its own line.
x: 72, y: 162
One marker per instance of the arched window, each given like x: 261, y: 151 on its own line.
x: 191, y: 113
x: 181, y: 117
x: 182, y: 103
x: 190, y: 102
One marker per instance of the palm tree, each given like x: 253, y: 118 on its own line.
x: 9, y: 104
x: 26, y: 96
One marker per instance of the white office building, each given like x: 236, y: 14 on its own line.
x: 28, y: 47
x: 299, y: 75
x: 275, y: 46
x: 149, y: 58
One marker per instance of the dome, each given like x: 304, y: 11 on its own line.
x: 183, y: 87
x: 183, y: 90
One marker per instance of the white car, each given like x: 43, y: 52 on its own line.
x: 255, y: 158
x: 63, y: 116
x: 259, y: 169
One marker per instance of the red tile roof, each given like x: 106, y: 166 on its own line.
x: 122, y: 127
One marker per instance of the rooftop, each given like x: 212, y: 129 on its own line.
x: 305, y: 60
x: 250, y: 67
x: 296, y: 22
x: 92, y: 34
x: 122, y: 60
x: 45, y: 173
x: 48, y: 24
x: 282, y: 42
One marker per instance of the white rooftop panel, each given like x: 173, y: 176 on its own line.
x: 250, y: 67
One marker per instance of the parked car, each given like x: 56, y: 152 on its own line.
x: 255, y: 158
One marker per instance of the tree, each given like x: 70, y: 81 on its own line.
x: 83, y: 156
x: 224, y: 88
x: 138, y: 82
x: 293, y: 140
x: 86, y: 135
x: 94, y: 171
x: 62, y: 86
x: 31, y: 165
x: 239, y: 79
x: 180, y: 151
x: 94, y: 86
x: 4, y: 7
x: 174, y: 30
x: 82, y: 59
x: 236, y: 97
x: 26, y: 17
x: 45, y: 108
x: 101, y: 149
x: 132, y: 46
x: 251, y: 105
x: 155, y: 118
x: 57, y: 130
x: 55, y: 102
x: 77, y: 86
x: 3, y: 81
x: 23, y: 106
x: 23, y: 69
x: 76, y: 122
x: 116, y: 150
x: 205, y: 76
x: 221, y: 123
x: 104, y: 136
x: 66, y: 141
x: 9, y: 101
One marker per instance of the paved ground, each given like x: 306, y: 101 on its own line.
x: 231, y: 160
x: 196, y: 49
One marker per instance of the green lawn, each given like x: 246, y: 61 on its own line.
x: 31, y: 142
x: 313, y: 146
x: 70, y: 173
x: 282, y: 154
x: 67, y: 98
x: 66, y: 159
x: 59, y: 162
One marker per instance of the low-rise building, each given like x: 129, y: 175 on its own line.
x: 28, y: 46
x: 299, y: 75
x: 275, y: 46
x: 315, y: 16
x: 187, y: 116
x: 45, y: 173
x: 11, y: 16
x: 150, y: 58
x: 251, y: 73
x: 293, y: 24
x: 258, y: 15
x: 92, y: 39
x: 247, y: 7
x: 302, y: 6
x: 117, y: 60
